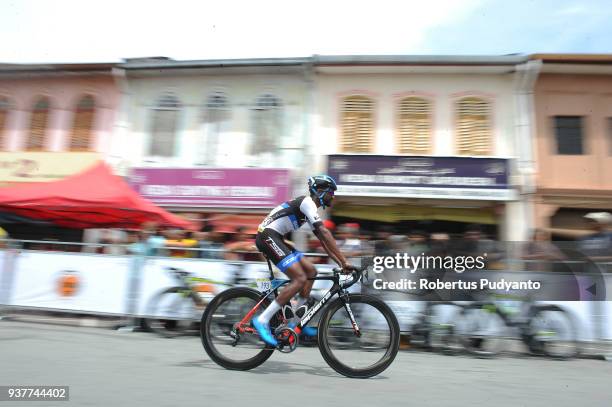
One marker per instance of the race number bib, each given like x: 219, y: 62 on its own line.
x: 263, y: 284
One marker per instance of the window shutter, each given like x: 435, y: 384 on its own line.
x: 216, y: 108
x: 414, y: 126
x: 267, y: 125
x: 38, y: 126
x: 81, y: 136
x: 357, y: 125
x: 165, y: 119
x: 474, y: 126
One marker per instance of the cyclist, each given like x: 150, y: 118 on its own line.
x: 281, y: 221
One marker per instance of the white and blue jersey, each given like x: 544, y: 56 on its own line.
x: 281, y: 221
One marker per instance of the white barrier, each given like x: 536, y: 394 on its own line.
x: 127, y: 285
x: 77, y: 282
x: 155, y: 278
x: 4, y: 278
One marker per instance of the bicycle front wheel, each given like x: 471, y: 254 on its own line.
x: 360, y: 355
x: 551, y: 331
x: 173, y: 312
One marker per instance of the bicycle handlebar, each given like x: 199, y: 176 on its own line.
x: 356, y: 276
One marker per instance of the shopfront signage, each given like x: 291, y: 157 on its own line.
x: 422, y: 177
x: 43, y: 166
x: 209, y: 187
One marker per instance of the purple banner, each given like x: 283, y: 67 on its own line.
x: 204, y: 187
x: 421, y: 176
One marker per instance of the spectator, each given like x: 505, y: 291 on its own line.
x: 4, y: 236
x: 439, y: 244
x: 382, y: 241
x: 349, y: 243
x: 598, y: 245
x: 475, y: 244
x: 241, y: 242
x: 210, y: 244
x: 540, y: 248
x: 148, y: 242
x: 417, y: 243
x: 314, y: 246
x: 111, y: 242
x: 181, y: 243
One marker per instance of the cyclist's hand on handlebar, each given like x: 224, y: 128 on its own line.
x: 348, y: 268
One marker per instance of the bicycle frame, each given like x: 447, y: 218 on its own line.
x: 336, y: 288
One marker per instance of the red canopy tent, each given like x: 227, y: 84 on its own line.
x: 94, y: 198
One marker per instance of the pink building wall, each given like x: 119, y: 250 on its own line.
x: 586, y: 180
x: 64, y: 94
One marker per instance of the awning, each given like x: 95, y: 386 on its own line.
x: 398, y: 213
x: 228, y: 223
x: 93, y: 198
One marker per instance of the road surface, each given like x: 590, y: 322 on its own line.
x: 110, y: 368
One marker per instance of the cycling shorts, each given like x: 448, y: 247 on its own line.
x: 272, y: 245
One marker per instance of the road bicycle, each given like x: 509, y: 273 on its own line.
x: 177, y: 310
x: 231, y: 341
x: 545, y: 329
x: 435, y: 327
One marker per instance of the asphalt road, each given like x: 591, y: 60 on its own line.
x: 109, y: 368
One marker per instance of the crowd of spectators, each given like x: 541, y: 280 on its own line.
x: 355, y: 242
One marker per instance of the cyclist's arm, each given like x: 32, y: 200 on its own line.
x: 309, y: 209
x: 329, y: 244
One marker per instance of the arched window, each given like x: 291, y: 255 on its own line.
x: 357, y: 133
x: 414, y: 126
x: 4, y: 112
x: 165, y: 120
x: 38, y: 125
x: 82, y: 127
x: 267, y: 124
x: 474, y: 134
x: 216, y: 118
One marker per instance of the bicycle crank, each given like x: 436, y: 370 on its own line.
x: 287, y: 339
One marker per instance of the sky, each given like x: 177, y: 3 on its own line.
x: 35, y: 31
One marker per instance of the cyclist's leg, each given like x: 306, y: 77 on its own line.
x: 298, y: 281
x: 288, y: 261
x: 311, y: 272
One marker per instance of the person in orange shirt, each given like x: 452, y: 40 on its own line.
x: 182, y: 239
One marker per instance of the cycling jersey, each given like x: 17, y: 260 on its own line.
x: 289, y: 216
x: 282, y: 220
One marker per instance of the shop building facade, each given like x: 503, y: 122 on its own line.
x: 55, y: 119
x: 426, y: 116
x: 237, y: 129
x: 573, y: 138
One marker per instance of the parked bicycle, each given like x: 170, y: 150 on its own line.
x: 435, y: 327
x: 177, y: 310
x: 482, y: 327
x: 231, y: 341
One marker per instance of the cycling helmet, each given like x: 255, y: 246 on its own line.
x: 325, y: 183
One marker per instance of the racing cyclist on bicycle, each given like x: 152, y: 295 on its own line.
x: 280, y: 222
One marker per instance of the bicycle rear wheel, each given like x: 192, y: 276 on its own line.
x: 359, y: 356
x: 226, y: 341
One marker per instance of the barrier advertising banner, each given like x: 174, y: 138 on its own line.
x: 87, y: 283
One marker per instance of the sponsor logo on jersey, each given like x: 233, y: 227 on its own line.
x: 275, y: 247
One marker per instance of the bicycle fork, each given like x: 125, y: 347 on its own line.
x: 347, y: 306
